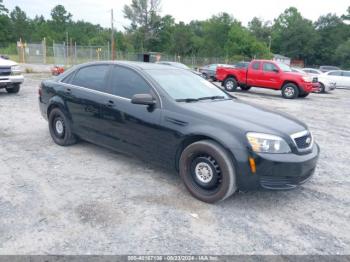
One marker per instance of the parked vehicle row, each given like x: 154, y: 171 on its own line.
x: 170, y: 116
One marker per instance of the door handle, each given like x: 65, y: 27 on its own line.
x: 110, y: 104
x: 68, y: 91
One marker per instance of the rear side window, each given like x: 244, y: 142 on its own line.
x: 346, y: 73
x: 256, y: 65
x: 92, y: 77
x: 269, y: 67
x: 68, y: 78
x: 337, y: 73
x: 127, y: 83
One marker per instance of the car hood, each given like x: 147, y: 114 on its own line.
x: 4, y: 62
x: 247, y: 116
x: 293, y: 74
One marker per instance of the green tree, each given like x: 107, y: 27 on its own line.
x: 61, y: 18
x: 243, y: 45
x: 144, y: 17
x: 182, y: 40
x: 3, y: 9
x: 20, y: 25
x: 216, y: 33
x: 342, y: 54
x: 260, y: 29
x: 332, y: 32
x: 347, y: 15
x: 5, y: 26
x: 293, y: 35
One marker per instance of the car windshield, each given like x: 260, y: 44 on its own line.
x: 284, y: 67
x: 184, y: 86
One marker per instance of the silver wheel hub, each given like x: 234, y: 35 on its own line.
x: 289, y: 91
x: 204, y: 172
x: 59, y: 127
x: 229, y: 85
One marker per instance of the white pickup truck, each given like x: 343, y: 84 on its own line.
x: 11, y: 76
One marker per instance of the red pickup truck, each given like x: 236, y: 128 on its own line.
x: 267, y: 74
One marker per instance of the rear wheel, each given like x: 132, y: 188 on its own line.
x: 205, y: 76
x: 290, y: 91
x: 207, y: 171
x: 60, y: 128
x: 13, y: 89
x: 230, y: 84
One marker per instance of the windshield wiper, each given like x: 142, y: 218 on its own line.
x: 187, y: 100
x: 211, y: 97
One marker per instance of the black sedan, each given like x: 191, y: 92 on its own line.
x: 172, y: 117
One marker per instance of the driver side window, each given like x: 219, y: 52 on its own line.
x: 127, y: 83
x: 269, y: 67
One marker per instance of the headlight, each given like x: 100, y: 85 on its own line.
x: 264, y: 143
x: 16, y: 70
x: 307, y: 78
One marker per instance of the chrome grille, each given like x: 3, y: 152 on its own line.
x: 303, y: 140
x: 5, y: 71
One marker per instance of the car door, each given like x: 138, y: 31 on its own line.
x: 336, y: 77
x: 130, y: 127
x: 270, y: 76
x: 346, y: 76
x: 253, y: 74
x: 85, y: 94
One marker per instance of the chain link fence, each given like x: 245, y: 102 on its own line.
x: 71, y: 54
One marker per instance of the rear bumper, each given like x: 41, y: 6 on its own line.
x: 43, y: 109
x: 10, y: 80
x: 277, y: 171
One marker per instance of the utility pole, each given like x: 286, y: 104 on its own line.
x: 112, y: 36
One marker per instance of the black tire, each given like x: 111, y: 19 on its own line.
x: 205, y: 76
x: 245, y: 88
x: 217, y: 166
x: 290, y: 91
x: 14, y: 89
x: 322, y: 88
x: 61, y: 133
x: 230, y: 84
x: 304, y: 95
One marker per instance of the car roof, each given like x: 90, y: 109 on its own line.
x: 132, y: 64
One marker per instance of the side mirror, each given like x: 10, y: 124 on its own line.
x: 143, y: 99
x: 276, y: 70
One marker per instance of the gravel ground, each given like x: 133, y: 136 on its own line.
x: 85, y: 199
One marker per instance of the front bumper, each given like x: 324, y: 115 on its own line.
x: 277, y: 171
x: 331, y: 86
x: 10, y: 80
x: 307, y: 87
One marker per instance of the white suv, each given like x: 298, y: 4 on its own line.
x: 10, y: 76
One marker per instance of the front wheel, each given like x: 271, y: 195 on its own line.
x: 322, y: 88
x: 230, y: 84
x: 60, y: 128
x: 290, y: 91
x: 13, y: 90
x: 207, y: 171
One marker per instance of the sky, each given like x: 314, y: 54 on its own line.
x: 98, y: 11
